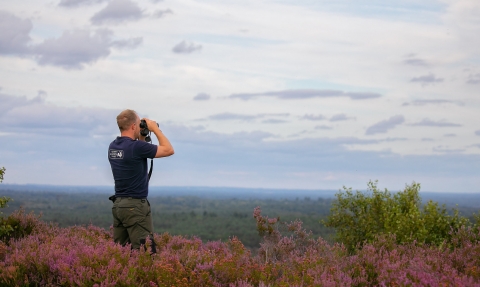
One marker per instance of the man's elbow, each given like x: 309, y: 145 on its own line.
x: 164, y: 152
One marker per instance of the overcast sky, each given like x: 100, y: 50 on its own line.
x: 275, y: 94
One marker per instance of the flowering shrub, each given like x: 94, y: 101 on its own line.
x: 20, y: 225
x: 281, y: 240
x: 47, y: 255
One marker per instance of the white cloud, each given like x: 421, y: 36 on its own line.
x: 306, y: 94
x: 430, y: 123
x: 385, y: 125
x: 340, y: 117
x: 413, y: 60
x: 131, y: 43
x: 274, y: 121
x: 432, y: 102
x: 162, y: 13
x: 77, y: 48
x: 323, y: 127
x: 11, y: 102
x: 426, y: 79
x: 14, y: 34
x: 231, y: 116
x: 74, y: 49
x: 247, y: 117
x: 78, y: 3
x: 474, y: 79
x: 118, y: 11
x: 202, y: 97
x: 185, y: 47
x: 312, y: 117
x: 443, y: 149
x: 36, y: 116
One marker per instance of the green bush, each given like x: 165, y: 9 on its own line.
x: 21, y: 224
x: 361, y: 217
x: 5, y: 228
x: 3, y: 200
x: 2, y: 172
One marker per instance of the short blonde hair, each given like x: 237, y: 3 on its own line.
x: 125, y: 119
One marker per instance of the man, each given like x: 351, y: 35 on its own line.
x: 128, y: 153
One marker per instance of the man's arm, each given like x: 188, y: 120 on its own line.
x: 164, y: 147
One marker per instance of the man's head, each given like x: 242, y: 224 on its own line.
x: 129, y: 122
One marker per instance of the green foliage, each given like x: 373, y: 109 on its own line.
x: 361, y: 217
x: 5, y: 228
x: 2, y: 172
x: 3, y: 202
x: 18, y: 225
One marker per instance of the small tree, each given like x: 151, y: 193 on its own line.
x: 361, y: 217
x: 2, y: 172
x: 4, y: 227
x: 4, y: 199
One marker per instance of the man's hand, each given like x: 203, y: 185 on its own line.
x: 164, y: 147
x: 151, y: 125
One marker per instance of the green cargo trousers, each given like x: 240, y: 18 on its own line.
x: 132, y: 222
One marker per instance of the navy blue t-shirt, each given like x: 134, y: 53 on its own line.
x: 128, y: 159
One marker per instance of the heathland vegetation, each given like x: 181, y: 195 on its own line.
x: 207, y: 218
x: 381, y: 239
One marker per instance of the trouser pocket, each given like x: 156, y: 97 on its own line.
x: 132, y: 211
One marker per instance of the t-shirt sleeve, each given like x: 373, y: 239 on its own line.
x: 145, y: 150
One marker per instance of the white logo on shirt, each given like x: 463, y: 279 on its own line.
x: 115, y: 154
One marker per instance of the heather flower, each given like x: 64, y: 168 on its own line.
x: 288, y: 256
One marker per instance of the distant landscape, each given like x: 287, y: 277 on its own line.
x: 237, y: 237
x: 208, y: 213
